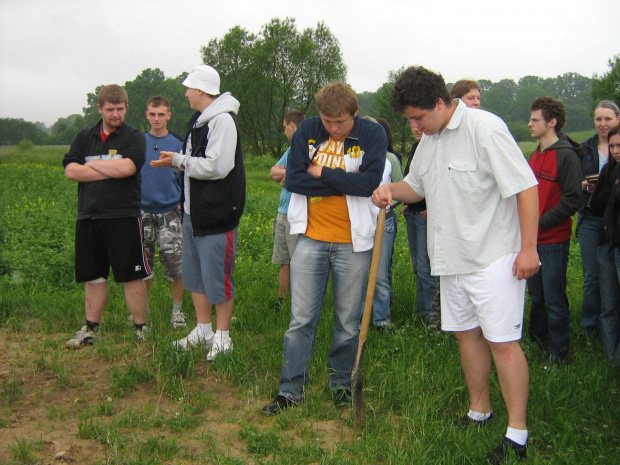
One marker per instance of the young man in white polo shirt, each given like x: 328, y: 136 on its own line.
x: 482, y: 205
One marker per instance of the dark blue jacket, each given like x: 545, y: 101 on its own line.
x: 367, y: 140
x: 588, y: 153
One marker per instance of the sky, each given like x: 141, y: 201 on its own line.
x: 54, y: 52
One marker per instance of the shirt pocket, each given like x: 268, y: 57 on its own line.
x: 464, y: 176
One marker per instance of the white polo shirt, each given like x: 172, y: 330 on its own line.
x: 470, y: 174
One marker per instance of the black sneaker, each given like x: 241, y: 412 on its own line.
x: 502, y: 452
x: 277, y: 305
x: 465, y: 422
x: 342, y: 397
x: 278, y: 404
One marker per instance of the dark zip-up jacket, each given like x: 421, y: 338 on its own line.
x: 108, y: 198
x: 216, y: 205
x: 611, y: 217
x: 588, y: 153
x: 367, y: 141
x: 421, y: 205
x: 558, y: 174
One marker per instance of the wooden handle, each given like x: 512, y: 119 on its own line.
x: 372, y: 280
x: 356, y: 374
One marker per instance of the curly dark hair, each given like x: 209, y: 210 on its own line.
x: 551, y: 108
x: 420, y: 88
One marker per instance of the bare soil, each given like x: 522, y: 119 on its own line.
x: 36, y: 409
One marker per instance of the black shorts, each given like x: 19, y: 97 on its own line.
x: 116, y: 242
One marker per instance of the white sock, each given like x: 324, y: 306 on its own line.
x: 517, y: 435
x: 222, y: 334
x: 205, y: 331
x: 176, y: 307
x: 477, y: 416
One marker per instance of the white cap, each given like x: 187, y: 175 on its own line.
x: 204, y: 78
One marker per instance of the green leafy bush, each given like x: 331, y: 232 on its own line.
x: 25, y: 144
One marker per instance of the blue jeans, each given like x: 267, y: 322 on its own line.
x: 590, y: 230
x: 383, y: 289
x: 426, y: 284
x: 609, y: 320
x: 549, y: 311
x: 311, y: 265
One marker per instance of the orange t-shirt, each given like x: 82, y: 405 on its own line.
x: 328, y: 217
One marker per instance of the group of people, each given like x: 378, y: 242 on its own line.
x: 127, y: 204
x: 482, y: 221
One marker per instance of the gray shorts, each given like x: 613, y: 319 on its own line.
x: 284, y: 242
x: 209, y: 263
x: 164, y: 229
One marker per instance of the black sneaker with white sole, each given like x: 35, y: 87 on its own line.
x: 465, y: 421
x: 279, y: 404
x: 502, y: 452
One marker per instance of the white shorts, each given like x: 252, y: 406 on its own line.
x: 492, y: 299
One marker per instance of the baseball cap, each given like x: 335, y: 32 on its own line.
x: 204, y: 78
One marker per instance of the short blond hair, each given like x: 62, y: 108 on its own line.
x: 335, y: 99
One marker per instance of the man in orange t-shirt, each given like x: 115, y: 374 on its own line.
x: 335, y: 162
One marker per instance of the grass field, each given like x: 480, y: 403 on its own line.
x: 120, y: 403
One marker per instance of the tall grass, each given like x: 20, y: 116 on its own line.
x: 413, y: 382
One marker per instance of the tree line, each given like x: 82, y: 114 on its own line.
x: 281, y: 68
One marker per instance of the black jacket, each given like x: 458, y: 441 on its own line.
x: 588, y: 153
x: 421, y: 205
x: 109, y: 198
x: 215, y: 205
x: 611, y: 217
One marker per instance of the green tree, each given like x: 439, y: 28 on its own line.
x: 64, y: 130
x: 91, y: 115
x: 13, y: 130
x: 573, y: 89
x: 500, y: 98
x: 403, y: 139
x: 276, y: 70
x: 607, y: 86
x: 366, y: 102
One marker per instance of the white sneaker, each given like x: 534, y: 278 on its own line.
x: 142, y: 334
x: 193, y: 339
x: 178, y: 320
x: 222, y: 344
x: 83, y: 338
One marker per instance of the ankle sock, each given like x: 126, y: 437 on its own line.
x: 517, y: 435
x: 477, y: 416
x: 92, y: 326
x: 176, y: 307
x: 205, y: 331
x: 139, y: 326
x: 222, y: 334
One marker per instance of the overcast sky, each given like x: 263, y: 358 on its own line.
x: 53, y: 52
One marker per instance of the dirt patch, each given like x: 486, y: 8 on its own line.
x: 56, y: 407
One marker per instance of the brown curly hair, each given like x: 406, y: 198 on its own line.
x: 551, y: 108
